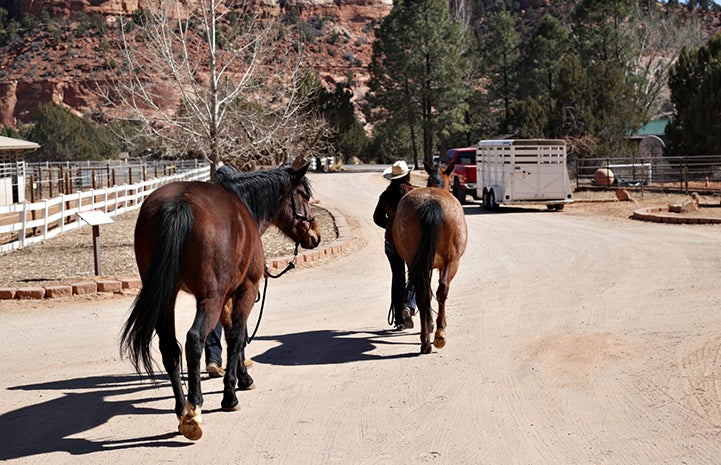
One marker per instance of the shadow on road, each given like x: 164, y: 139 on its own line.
x: 331, y: 347
x: 477, y: 209
x: 55, y: 425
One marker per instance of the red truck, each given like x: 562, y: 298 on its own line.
x: 463, y: 179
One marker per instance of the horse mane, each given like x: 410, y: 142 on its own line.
x: 261, y: 191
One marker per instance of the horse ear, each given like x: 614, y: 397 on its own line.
x: 299, y: 169
x: 299, y: 162
x: 449, y: 168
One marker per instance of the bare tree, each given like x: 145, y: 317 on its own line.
x: 659, y: 37
x: 211, y: 81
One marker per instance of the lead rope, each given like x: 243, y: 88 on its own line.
x: 268, y: 274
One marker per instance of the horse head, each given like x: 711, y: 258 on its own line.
x: 296, y: 219
x: 437, y: 177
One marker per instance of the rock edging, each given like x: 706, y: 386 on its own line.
x: 661, y: 215
x: 124, y: 285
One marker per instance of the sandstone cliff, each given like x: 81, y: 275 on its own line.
x: 66, y: 64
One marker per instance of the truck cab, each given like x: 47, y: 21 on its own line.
x: 463, y: 178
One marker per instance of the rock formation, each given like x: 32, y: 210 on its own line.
x: 66, y: 67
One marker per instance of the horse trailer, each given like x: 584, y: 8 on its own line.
x: 523, y: 170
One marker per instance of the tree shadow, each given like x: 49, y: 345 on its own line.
x: 54, y: 425
x: 330, y: 347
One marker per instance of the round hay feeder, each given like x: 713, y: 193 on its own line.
x: 603, y: 177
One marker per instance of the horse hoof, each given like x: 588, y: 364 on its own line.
x: 245, y: 384
x: 426, y: 348
x: 190, y: 428
x: 439, y: 342
x: 231, y: 407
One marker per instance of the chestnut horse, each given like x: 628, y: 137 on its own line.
x: 430, y: 232
x: 205, y: 238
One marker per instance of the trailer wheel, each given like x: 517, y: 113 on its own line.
x: 492, y: 200
x: 555, y: 206
x: 485, y: 200
x: 458, y: 191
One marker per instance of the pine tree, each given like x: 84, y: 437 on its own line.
x: 501, y: 62
x: 418, y: 74
x: 695, y: 83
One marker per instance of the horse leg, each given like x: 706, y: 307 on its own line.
x: 235, y: 333
x: 206, y: 317
x: 444, y: 279
x: 171, y: 354
x: 424, y: 309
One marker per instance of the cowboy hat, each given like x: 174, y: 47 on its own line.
x: 396, y: 170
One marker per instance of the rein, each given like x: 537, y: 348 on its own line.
x: 267, y: 275
x: 287, y: 268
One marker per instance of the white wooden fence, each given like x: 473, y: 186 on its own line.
x: 27, y: 223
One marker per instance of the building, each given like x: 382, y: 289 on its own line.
x: 12, y: 169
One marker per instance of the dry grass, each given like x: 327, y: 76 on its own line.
x: 67, y: 257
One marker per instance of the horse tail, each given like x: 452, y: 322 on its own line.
x: 430, y: 216
x: 155, y: 300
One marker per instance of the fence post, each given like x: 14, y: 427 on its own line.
x: 50, y: 182
x: 24, y: 223
x: 46, y: 213
x: 62, y: 213
x: 32, y: 183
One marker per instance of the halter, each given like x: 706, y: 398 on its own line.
x: 287, y: 268
x: 297, y: 215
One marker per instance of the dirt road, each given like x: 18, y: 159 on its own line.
x: 571, y: 340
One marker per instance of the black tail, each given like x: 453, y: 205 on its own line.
x: 174, y: 225
x: 430, y: 215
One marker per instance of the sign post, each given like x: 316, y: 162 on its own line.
x: 95, y: 218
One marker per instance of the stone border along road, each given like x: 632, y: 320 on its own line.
x: 109, y: 284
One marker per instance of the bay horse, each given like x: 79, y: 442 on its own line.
x: 430, y: 232
x: 204, y: 238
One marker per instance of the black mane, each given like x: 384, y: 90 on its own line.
x: 261, y: 191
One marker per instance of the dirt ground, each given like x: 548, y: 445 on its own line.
x: 69, y: 257
x: 573, y: 337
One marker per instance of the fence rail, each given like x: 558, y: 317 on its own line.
x: 48, y: 179
x: 22, y: 224
x: 697, y: 173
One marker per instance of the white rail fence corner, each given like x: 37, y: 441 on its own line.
x: 40, y: 221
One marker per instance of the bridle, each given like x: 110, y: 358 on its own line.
x: 291, y: 264
x: 296, y: 215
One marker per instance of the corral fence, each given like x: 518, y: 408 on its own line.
x: 22, y: 224
x: 48, y: 179
x: 699, y: 173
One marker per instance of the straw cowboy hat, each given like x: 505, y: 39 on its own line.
x: 396, y: 170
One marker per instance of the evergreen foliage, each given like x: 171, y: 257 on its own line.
x: 65, y: 136
x: 695, y: 83
x: 418, y: 75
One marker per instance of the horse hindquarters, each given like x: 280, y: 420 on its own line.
x: 153, y: 309
x: 430, y: 217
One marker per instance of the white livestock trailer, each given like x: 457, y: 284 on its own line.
x: 523, y: 170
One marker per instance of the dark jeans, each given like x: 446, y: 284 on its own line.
x: 398, y: 280
x: 213, y: 349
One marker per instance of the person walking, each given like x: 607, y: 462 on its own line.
x: 399, y: 175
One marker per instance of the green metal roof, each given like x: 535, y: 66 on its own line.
x: 653, y: 128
